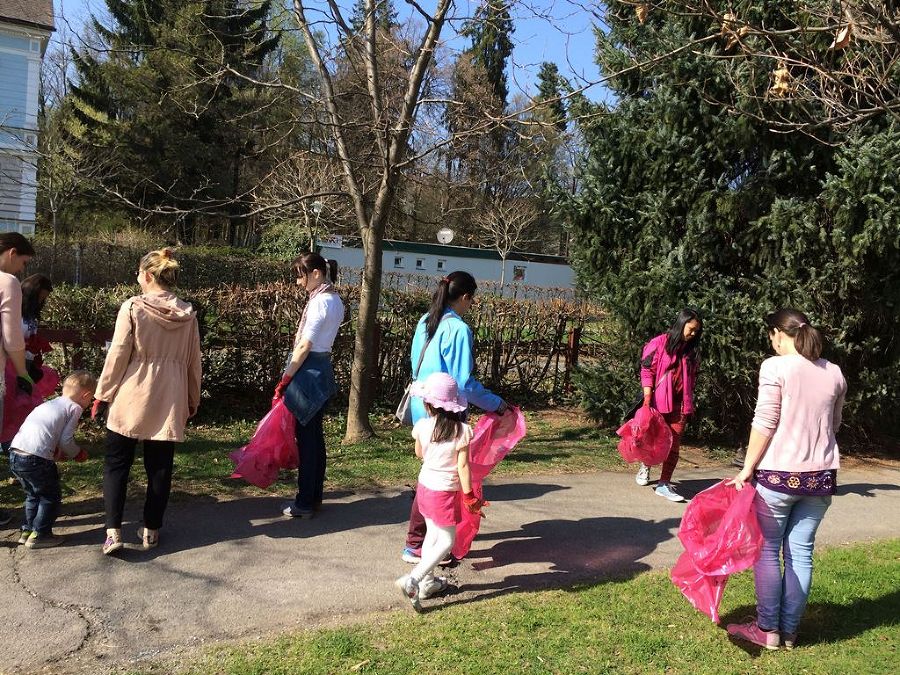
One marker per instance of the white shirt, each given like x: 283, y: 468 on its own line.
x: 50, y: 426
x: 439, y: 460
x: 324, y: 316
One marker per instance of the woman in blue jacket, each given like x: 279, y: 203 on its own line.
x: 447, y: 341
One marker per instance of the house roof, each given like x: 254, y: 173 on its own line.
x: 459, y: 251
x: 28, y: 12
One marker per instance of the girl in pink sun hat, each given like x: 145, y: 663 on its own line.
x: 442, y: 443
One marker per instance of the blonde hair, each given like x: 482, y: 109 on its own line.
x: 80, y: 380
x: 162, y: 266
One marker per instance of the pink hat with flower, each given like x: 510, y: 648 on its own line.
x: 441, y: 391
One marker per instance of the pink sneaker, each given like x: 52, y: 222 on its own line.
x: 753, y: 633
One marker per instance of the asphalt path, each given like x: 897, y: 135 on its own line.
x: 236, y: 568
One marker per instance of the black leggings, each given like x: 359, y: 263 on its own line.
x: 159, y: 457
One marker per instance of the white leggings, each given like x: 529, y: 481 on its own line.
x: 437, y: 544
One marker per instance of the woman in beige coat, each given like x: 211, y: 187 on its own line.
x: 149, y: 387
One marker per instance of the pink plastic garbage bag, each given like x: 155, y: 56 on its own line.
x: 721, y: 536
x: 272, y: 448
x: 17, y: 404
x: 493, y: 437
x: 645, y: 437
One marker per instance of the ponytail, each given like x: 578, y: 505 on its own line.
x: 332, y: 266
x: 450, y: 289
x: 808, y: 341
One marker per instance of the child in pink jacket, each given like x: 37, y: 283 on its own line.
x: 669, y: 364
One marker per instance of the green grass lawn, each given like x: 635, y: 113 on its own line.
x: 641, y: 625
x: 555, y: 443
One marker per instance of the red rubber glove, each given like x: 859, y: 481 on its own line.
x: 98, y: 409
x: 81, y: 456
x: 280, y: 387
x: 473, y: 504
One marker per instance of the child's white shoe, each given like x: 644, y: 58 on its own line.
x: 428, y: 588
x: 410, y: 589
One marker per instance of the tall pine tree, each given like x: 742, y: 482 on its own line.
x: 162, y: 97
x: 685, y: 203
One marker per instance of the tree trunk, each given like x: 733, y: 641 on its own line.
x: 364, y: 358
x: 502, y: 273
x: 53, y: 255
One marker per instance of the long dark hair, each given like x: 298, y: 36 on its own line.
x: 450, y: 289
x: 447, y: 424
x: 31, y: 295
x: 676, y: 341
x: 305, y: 263
x: 807, y: 340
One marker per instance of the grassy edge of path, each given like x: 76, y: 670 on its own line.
x: 636, y: 625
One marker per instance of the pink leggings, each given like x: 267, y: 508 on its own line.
x: 676, y: 422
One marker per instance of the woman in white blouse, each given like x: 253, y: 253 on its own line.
x: 308, y: 379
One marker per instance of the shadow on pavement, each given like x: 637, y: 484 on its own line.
x: 691, y: 488
x: 863, y: 489
x: 586, y: 550
x: 518, y: 491
x: 198, y: 521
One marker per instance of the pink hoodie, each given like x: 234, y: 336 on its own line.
x: 656, y: 365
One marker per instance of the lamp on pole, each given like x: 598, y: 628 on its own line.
x: 316, y: 208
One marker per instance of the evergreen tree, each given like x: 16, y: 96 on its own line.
x: 161, y: 97
x: 550, y: 94
x: 491, y: 33
x: 385, y: 15
x: 685, y: 204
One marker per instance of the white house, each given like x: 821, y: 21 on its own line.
x: 25, y: 28
x: 430, y: 260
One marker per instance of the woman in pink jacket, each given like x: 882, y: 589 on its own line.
x: 150, y: 386
x: 669, y: 364
x: 792, y: 455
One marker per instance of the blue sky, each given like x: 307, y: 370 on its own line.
x: 546, y: 30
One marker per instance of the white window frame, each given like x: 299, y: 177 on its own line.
x: 398, y: 262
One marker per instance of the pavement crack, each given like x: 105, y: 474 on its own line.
x: 82, y: 612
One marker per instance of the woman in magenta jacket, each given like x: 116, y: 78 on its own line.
x: 669, y: 364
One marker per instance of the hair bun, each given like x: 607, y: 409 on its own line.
x: 167, y: 252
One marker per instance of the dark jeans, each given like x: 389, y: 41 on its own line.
x: 43, y: 496
x: 415, y: 535
x: 311, y: 475
x: 159, y: 457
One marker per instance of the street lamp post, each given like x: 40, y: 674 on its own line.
x: 317, y: 207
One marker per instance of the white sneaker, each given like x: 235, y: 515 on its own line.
x: 428, y: 588
x: 410, y: 590
x: 643, y: 475
x: 666, y: 490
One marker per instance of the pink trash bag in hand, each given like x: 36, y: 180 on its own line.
x: 17, y: 405
x: 493, y: 437
x: 721, y: 536
x: 645, y: 437
x: 272, y: 448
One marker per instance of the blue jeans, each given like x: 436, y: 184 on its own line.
x: 788, y: 524
x: 43, y: 496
